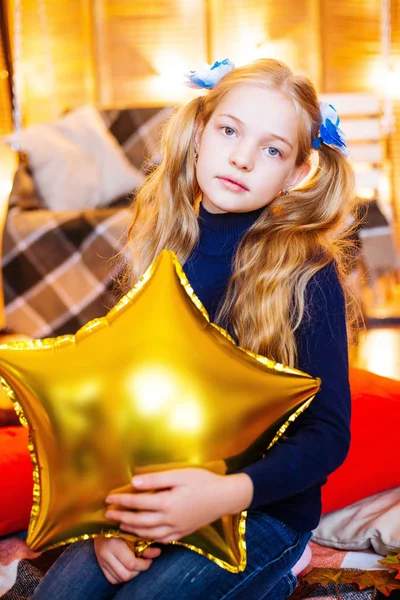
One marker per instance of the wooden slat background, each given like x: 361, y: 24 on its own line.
x: 143, y: 48
x: 122, y: 53
x: 289, y: 29
x: 71, y: 47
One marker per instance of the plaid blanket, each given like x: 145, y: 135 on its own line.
x: 60, y: 268
x: 323, y: 557
x: 20, y: 573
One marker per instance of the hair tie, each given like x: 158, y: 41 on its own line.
x: 207, y: 76
x: 329, y: 130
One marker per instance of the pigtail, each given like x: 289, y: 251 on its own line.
x: 296, y: 236
x: 164, y: 212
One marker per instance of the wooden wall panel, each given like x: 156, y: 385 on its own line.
x: 350, y: 30
x: 69, y: 43
x: 5, y: 101
x: 350, y: 33
x: 254, y: 29
x: 393, y: 143
x: 144, y: 47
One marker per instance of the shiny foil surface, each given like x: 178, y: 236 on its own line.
x: 151, y: 386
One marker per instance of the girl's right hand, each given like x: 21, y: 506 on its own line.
x: 118, y: 562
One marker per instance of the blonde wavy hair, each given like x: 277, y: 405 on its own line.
x: 295, y: 236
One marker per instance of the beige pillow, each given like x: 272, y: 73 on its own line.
x: 65, y: 175
x: 373, y: 521
x: 85, y: 127
x: 76, y: 162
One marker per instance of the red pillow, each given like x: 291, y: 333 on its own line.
x: 371, y: 465
x: 16, y: 480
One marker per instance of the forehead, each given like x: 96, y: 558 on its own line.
x: 264, y: 109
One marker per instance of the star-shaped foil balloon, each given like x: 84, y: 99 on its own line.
x: 152, y: 385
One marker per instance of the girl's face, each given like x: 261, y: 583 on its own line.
x: 247, y: 151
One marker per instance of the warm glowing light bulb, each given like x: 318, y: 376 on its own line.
x: 387, y: 80
x: 171, y: 71
x: 379, y: 352
x: 367, y: 193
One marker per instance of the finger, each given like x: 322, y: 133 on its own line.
x: 155, y: 534
x: 137, y: 501
x: 125, y: 555
x: 118, y: 569
x: 108, y: 574
x: 152, y: 552
x: 108, y: 571
x: 142, y: 564
x: 131, y: 562
x: 158, y: 481
x: 145, y: 519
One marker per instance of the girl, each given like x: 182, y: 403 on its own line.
x: 260, y: 247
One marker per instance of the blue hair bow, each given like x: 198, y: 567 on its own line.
x: 207, y: 76
x: 329, y: 131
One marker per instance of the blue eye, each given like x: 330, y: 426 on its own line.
x: 273, y: 151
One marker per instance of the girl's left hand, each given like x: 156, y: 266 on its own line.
x: 183, y: 500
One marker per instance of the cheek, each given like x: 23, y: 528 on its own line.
x: 202, y: 170
x: 270, y: 183
x: 207, y: 143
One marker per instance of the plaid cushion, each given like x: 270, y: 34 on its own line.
x: 60, y: 268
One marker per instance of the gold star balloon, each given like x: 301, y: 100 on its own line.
x: 151, y: 386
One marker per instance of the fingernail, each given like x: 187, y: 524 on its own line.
x: 137, y: 481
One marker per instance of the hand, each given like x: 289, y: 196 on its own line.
x: 118, y: 562
x: 183, y: 500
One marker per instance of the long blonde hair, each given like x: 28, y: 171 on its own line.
x: 295, y: 236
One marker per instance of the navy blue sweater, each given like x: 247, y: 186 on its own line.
x: 287, y: 482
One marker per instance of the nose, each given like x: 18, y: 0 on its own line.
x: 242, y: 157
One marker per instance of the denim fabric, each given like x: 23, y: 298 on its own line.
x: 273, y: 548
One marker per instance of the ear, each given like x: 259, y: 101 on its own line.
x: 299, y: 173
x: 198, y: 132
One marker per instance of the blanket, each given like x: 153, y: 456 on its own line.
x: 60, y: 268
x: 21, y: 571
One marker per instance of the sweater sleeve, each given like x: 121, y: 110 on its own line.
x: 318, y: 441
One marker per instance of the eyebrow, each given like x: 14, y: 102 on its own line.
x: 270, y: 135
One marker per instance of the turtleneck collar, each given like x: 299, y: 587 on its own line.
x: 219, y: 233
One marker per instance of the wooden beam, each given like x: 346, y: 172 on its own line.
x: 5, y: 39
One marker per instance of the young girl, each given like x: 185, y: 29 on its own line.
x: 260, y: 247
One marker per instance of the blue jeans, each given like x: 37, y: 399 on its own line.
x: 273, y: 548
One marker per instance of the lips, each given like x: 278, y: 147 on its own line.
x: 236, y: 182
